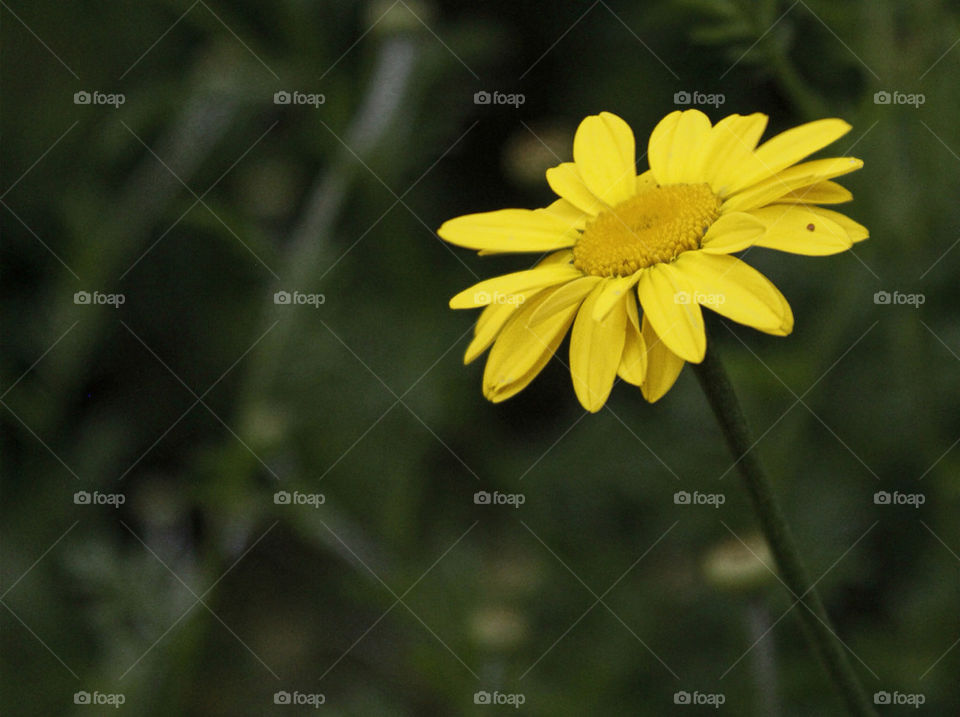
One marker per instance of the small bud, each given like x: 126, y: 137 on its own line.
x: 739, y: 566
x: 529, y: 154
x: 394, y: 17
x: 498, y: 628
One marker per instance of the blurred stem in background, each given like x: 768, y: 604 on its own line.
x: 300, y: 262
x: 739, y: 566
x: 720, y: 394
x: 384, y: 97
x: 300, y: 265
x: 764, y: 663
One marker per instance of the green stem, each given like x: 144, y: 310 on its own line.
x: 713, y: 378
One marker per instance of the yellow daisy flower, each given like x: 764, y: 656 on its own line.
x: 668, y: 233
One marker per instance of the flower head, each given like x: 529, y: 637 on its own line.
x: 631, y: 259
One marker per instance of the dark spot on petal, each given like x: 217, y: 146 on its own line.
x: 810, y: 227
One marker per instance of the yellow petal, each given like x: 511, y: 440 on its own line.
x: 855, y: 231
x: 677, y: 158
x: 660, y: 144
x: 613, y: 291
x: 633, y: 362
x: 826, y: 192
x: 696, y: 132
x: 731, y: 233
x: 731, y: 143
x: 510, y: 230
x: 663, y: 366
x: 646, y: 181
x: 504, y: 289
x: 491, y: 320
x: 595, y: 351
x: 667, y: 300
x: 565, y: 180
x: 770, y: 190
x: 569, y: 214
x: 605, y: 154
x: 562, y: 297
x: 557, y: 258
x: 788, y: 148
x: 736, y: 290
x: 521, y: 351
x: 798, y: 229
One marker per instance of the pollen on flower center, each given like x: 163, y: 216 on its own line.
x: 652, y: 227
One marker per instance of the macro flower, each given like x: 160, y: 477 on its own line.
x: 630, y: 260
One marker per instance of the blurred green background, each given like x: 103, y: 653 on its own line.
x: 199, y: 398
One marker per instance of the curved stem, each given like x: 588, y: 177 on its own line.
x: 713, y: 378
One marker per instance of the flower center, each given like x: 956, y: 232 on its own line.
x: 653, y: 227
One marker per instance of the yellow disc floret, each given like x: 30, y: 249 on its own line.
x: 652, y: 227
